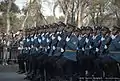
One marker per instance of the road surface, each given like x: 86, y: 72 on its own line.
x: 8, y: 73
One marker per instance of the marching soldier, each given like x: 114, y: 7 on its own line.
x: 22, y: 47
x: 102, y: 51
x: 68, y: 60
x: 114, y: 51
x: 56, y: 45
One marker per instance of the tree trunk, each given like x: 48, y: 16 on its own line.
x: 66, y: 17
x: 8, y: 16
x: 23, y: 24
x: 80, y: 22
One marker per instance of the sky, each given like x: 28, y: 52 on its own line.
x: 20, y: 3
x: 47, y: 7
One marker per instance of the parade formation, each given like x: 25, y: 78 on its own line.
x: 58, y: 52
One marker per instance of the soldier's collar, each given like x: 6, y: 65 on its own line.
x: 42, y: 34
x: 31, y: 35
x: 83, y: 35
x: 94, y: 36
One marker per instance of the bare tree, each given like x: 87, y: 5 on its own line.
x: 73, y: 9
x: 33, y: 12
x: 8, y: 15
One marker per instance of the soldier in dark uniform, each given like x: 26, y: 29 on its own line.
x: 87, y: 58
x: 23, y: 52
x: 42, y: 49
x: 38, y: 46
x: 114, y: 52
x: 55, y: 51
x: 32, y: 52
x: 96, y: 40
x: 102, y: 51
x: 68, y: 60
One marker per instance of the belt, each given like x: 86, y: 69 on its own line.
x: 118, y: 52
x: 70, y: 50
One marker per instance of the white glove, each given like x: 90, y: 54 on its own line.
x: 97, y: 49
x: 26, y: 48
x: 102, y: 39
x: 113, y: 37
x: 62, y: 50
x: 29, y: 48
x: 43, y: 38
x: 36, y: 49
x: 32, y: 46
x: 79, y: 38
x: 21, y: 42
x: 40, y: 47
x: 53, y: 47
x: 105, y: 47
x: 48, y: 47
x: 58, y: 32
x: 53, y: 37
x: 48, y: 40
x: 90, y: 46
x: 19, y: 48
x: 59, y: 38
x: 35, y: 37
x: 83, y: 49
x: 32, y: 39
x: 94, y: 37
x: 45, y: 49
x: 86, y: 40
x: 23, y: 38
x: 67, y: 39
x: 28, y: 40
x: 39, y: 40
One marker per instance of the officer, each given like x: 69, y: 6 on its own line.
x: 24, y: 51
x: 51, y: 46
x: 19, y: 57
x: 38, y: 40
x: 114, y: 51
x: 102, y: 51
x: 88, y: 56
x: 56, y: 50
x: 96, y: 40
x: 114, y: 46
x: 80, y: 50
x: 33, y: 52
x: 68, y: 59
x: 44, y: 41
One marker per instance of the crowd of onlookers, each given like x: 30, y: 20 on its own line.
x: 9, y: 47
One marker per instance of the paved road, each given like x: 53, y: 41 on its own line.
x: 8, y: 73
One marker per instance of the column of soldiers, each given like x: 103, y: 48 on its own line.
x: 61, y: 52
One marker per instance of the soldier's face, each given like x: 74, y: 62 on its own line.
x: 95, y: 32
x: 60, y: 29
x: 27, y: 34
x: 54, y: 29
x: 114, y: 31
x: 69, y: 29
x: 76, y: 33
x: 104, y: 32
x: 83, y: 32
x: 88, y: 32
